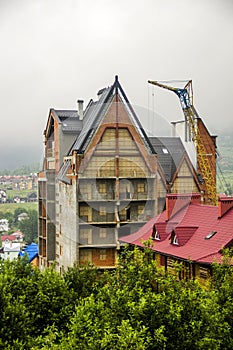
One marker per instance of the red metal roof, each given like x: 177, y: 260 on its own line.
x: 9, y: 238
x: 191, y: 224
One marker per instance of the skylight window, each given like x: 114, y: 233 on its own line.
x: 165, y: 151
x: 211, y: 234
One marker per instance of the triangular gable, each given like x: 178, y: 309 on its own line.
x: 52, y: 116
x: 185, y: 160
x: 140, y: 154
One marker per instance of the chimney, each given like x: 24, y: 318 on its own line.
x: 176, y: 202
x: 80, y: 109
x: 224, y: 204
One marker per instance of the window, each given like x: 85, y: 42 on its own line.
x: 141, y: 209
x: 170, y: 262
x: 86, y: 236
x: 83, y: 211
x: 173, y: 238
x: 155, y: 234
x: 141, y: 187
x: 102, y: 232
x: 211, y: 234
x: 51, y: 164
x: 85, y: 255
x: 102, y: 188
x: 102, y: 210
x: 84, y: 233
x: 203, y: 272
x: 165, y: 151
x: 127, y: 213
x: 103, y: 254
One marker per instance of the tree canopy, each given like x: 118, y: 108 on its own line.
x: 136, y: 306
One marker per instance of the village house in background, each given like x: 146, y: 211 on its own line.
x: 20, y: 182
x: 4, y: 225
x: 104, y: 178
x: 11, y: 245
x: 190, y: 233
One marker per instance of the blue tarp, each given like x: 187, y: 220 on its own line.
x: 31, y: 250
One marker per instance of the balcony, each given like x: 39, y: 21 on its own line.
x: 96, y: 196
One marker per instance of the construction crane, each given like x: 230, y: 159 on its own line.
x: 204, y: 162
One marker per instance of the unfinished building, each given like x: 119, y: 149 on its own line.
x: 103, y: 178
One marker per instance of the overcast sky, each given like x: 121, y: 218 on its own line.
x: 54, y: 52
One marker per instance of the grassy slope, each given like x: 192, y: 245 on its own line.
x: 10, y: 207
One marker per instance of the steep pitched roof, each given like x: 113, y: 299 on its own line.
x: 93, y: 115
x: 96, y: 112
x: 69, y: 119
x: 169, y: 151
x: 200, y: 232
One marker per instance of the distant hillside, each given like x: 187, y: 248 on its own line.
x: 225, y: 165
x: 23, y: 170
x: 225, y: 148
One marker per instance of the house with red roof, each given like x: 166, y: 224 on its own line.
x: 189, y: 232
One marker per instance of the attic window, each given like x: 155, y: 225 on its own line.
x: 155, y: 234
x: 165, y: 151
x: 211, y: 234
x: 173, y: 238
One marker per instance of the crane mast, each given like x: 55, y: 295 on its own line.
x: 204, y: 162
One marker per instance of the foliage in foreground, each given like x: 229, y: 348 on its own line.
x: 137, y: 306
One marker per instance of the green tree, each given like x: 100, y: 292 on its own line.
x: 29, y: 226
x: 141, y: 307
x: 17, y: 212
x: 137, y: 306
x: 9, y: 216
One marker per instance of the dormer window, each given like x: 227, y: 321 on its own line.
x: 155, y: 234
x: 173, y: 238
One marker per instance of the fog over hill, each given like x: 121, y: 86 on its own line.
x: 14, y: 158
